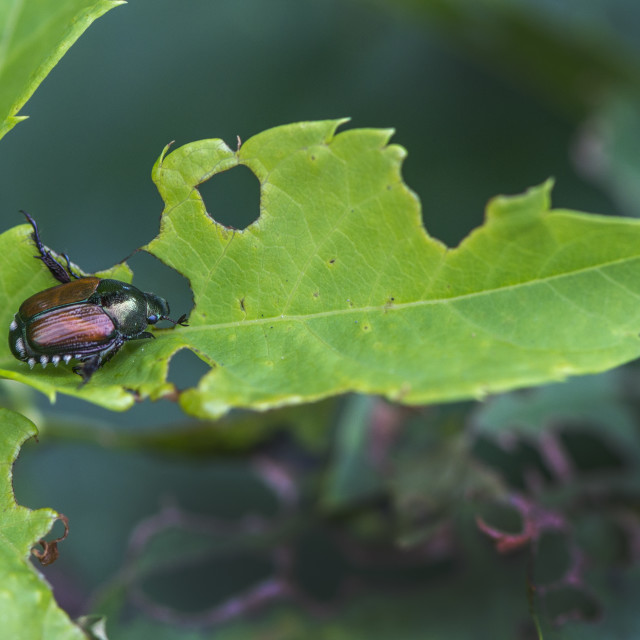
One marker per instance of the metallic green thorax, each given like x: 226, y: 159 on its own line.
x: 130, y: 309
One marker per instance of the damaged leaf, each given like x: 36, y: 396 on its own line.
x: 337, y: 287
x: 27, y: 607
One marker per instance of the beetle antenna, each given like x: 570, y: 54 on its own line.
x: 182, y: 320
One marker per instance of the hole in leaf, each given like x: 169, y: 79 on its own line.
x: 232, y: 197
x: 186, y: 369
x: 152, y: 275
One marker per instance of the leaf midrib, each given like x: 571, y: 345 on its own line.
x: 408, y: 305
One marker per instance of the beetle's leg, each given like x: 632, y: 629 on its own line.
x: 88, y: 368
x: 143, y: 335
x: 57, y: 270
x: 69, y: 269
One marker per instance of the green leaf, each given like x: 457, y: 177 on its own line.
x: 27, y: 607
x: 34, y: 35
x: 337, y: 287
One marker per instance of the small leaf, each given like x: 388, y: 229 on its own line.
x: 32, y: 41
x: 27, y: 607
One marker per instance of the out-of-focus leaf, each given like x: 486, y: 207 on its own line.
x: 590, y: 398
x: 428, y: 487
x: 34, y: 35
x: 352, y: 474
x: 606, y: 150
x: 591, y: 402
x: 484, y: 599
x: 615, y: 591
x: 194, y: 551
x: 237, y: 434
x: 570, y: 59
x: 27, y: 607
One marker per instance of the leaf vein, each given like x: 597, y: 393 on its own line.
x: 398, y: 306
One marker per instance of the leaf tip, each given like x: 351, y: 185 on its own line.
x: 9, y: 123
x: 160, y: 160
x: 338, y: 122
x: 327, y: 128
x: 533, y: 202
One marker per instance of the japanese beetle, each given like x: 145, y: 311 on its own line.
x: 84, y: 318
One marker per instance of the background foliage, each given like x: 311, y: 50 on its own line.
x: 297, y: 513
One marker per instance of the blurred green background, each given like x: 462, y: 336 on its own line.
x: 487, y: 97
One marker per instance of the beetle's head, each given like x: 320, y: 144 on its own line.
x: 157, y: 308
